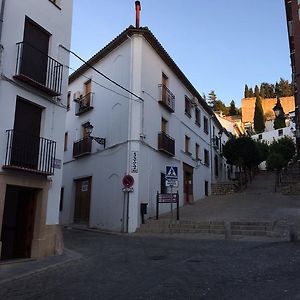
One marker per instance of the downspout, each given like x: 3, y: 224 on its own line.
x: 1, y: 26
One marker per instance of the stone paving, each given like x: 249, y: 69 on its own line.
x: 258, y: 202
x: 125, y: 267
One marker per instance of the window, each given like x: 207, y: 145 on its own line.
x: 205, y: 124
x: 68, y: 100
x: 197, y: 116
x: 187, y: 145
x: 280, y: 132
x: 66, y: 142
x: 260, y: 136
x: 187, y: 106
x: 164, y: 125
x: 206, y: 157
x: 197, y: 151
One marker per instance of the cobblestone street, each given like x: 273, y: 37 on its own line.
x: 124, y: 267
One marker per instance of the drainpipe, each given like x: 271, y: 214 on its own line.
x: 1, y: 25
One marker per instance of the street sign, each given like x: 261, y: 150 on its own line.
x: 172, y: 182
x: 128, y: 181
x: 167, y: 198
x: 171, y: 172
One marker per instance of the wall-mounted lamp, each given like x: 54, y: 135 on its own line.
x: 89, y: 129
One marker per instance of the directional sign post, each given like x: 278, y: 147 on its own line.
x: 171, y: 180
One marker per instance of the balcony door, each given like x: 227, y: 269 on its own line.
x: 35, y: 52
x: 25, y: 142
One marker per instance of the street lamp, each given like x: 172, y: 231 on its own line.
x: 89, y: 129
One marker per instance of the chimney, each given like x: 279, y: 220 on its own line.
x: 137, y: 13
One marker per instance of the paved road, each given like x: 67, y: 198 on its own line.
x: 125, y: 267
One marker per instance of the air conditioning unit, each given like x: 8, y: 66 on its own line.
x: 77, y: 96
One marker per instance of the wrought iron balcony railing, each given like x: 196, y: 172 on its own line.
x: 166, y: 144
x: 29, y: 153
x: 82, y: 147
x: 38, y: 69
x: 167, y: 98
x: 84, y: 103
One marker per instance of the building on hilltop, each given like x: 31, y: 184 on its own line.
x: 33, y: 88
x: 161, y: 120
x: 248, y: 108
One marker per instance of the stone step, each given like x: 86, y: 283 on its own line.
x: 256, y: 228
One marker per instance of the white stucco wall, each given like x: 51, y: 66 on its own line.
x: 134, y: 126
x: 53, y: 20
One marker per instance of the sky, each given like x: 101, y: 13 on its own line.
x: 219, y: 45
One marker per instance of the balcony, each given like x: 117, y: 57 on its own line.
x: 167, y: 98
x: 84, y: 104
x: 29, y: 153
x: 82, y: 147
x: 38, y: 69
x: 166, y: 144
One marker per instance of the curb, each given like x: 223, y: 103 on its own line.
x: 70, y: 255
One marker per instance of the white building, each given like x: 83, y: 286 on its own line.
x: 163, y: 121
x: 33, y: 88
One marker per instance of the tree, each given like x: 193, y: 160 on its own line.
x: 281, y: 152
x: 220, y: 106
x: 242, y: 152
x: 284, y: 146
x: 246, y: 91
x: 212, y: 98
x: 262, y: 91
x: 251, y: 94
x: 286, y: 89
x: 232, y: 109
x: 263, y: 149
x: 259, y: 119
x: 256, y: 91
x: 279, y: 121
x: 276, y: 162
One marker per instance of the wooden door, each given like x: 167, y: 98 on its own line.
x: 187, y: 183
x: 35, y: 52
x: 27, y: 123
x: 82, y: 200
x: 18, y: 222
x: 25, y: 223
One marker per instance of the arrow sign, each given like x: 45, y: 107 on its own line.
x: 171, y: 172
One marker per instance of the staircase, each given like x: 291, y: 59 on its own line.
x: 223, y: 188
x: 167, y: 226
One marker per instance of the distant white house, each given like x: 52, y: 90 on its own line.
x: 163, y: 122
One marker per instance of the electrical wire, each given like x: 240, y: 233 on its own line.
x: 103, y: 86
x: 96, y: 70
